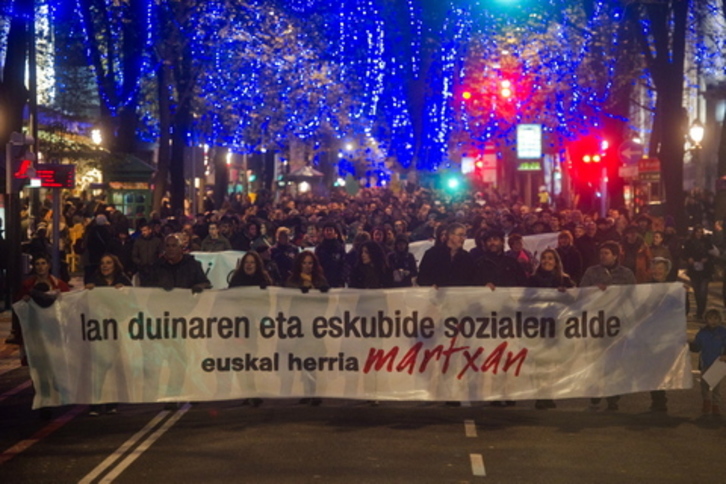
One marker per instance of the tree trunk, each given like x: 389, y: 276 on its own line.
x: 221, y: 176
x: 161, y: 177
x: 13, y: 93
x: 666, y: 63
x: 181, y: 128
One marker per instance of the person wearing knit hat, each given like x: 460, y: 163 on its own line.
x: 101, y: 219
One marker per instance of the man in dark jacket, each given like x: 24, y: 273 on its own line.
x: 145, y: 254
x: 331, y: 254
x: 283, y: 253
x: 494, y: 268
x: 607, y: 273
x: 447, y: 264
x: 177, y: 269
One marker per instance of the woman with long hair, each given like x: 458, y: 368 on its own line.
x: 110, y: 273
x: 549, y: 274
x: 250, y: 272
x: 371, y: 271
x: 307, y: 273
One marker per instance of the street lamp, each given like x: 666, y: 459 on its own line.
x: 96, y: 136
x: 695, y: 133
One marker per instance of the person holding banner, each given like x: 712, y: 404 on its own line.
x: 307, y: 274
x: 497, y: 269
x: 43, y: 288
x: 609, y: 272
x: 447, y: 264
x: 178, y: 270
x: 371, y: 270
x: 39, y: 275
x: 250, y: 272
x: 110, y: 273
x: 660, y: 267
x: 710, y: 342
x: 549, y: 274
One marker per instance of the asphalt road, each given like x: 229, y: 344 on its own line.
x: 344, y: 441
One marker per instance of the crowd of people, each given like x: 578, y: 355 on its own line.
x: 303, y: 242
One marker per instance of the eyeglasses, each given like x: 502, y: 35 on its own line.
x: 459, y: 234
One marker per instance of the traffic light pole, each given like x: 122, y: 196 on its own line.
x: 604, y: 192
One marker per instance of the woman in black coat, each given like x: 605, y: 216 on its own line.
x: 371, y: 271
x: 110, y: 273
x: 250, y: 272
x: 549, y: 274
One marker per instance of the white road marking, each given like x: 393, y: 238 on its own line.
x: 477, y: 465
x: 136, y: 453
x: 470, y: 428
x: 124, y: 448
x: 16, y: 390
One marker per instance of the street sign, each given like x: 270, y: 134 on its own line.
x: 628, y: 171
x: 529, y: 141
x: 630, y: 152
x: 649, y: 169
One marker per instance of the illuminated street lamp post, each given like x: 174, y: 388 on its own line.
x: 695, y: 135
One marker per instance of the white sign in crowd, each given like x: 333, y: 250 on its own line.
x: 150, y: 345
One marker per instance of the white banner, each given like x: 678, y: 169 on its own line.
x: 149, y: 345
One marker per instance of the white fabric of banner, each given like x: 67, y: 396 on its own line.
x: 151, y: 345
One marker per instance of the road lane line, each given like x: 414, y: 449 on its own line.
x: 477, y: 465
x: 100, y: 468
x: 136, y: 453
x: 470, y: 428
x: 16, y: 390
x: 56, y: 424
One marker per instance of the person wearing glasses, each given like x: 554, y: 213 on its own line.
x: 447, y: 264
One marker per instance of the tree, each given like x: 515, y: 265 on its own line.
x: 116, y: 41
x: 664, y: 48
x: 13, y: 93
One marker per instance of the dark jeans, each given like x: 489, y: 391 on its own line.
x: 700, y: 292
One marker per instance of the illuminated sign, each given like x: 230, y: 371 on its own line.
x: 56, y: 176
x: 530, y: 166
x: 529, y: 141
